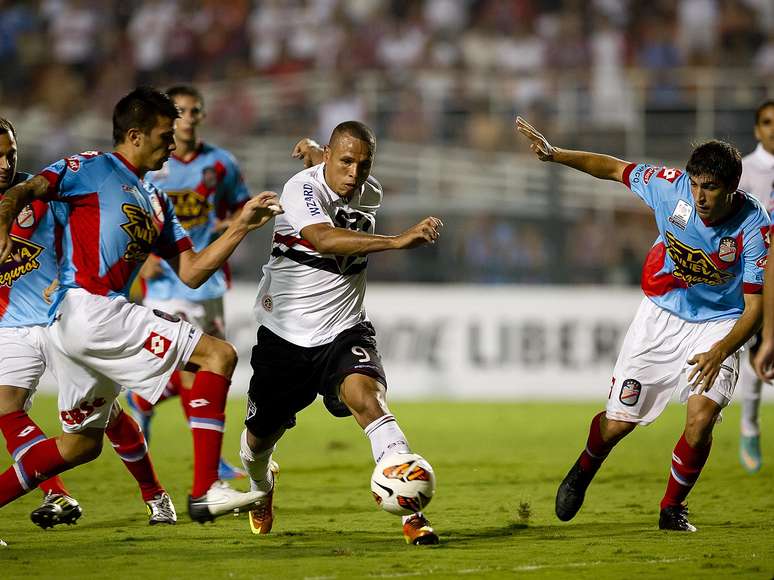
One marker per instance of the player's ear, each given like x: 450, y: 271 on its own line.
x: 133, y: 136
x: 326, y: 153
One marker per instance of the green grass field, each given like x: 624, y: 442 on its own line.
x: 498, y: 467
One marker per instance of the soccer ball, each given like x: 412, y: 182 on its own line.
x: 403, y: 483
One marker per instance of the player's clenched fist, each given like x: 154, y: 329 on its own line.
x: 540, y: 145
x: 260, y: 209
x: 425, y: 232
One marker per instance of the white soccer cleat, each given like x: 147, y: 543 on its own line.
x: 161, y: 510
x: 220, y: 500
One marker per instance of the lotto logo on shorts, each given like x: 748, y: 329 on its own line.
x: 157, y: 344
x: 630, y: 392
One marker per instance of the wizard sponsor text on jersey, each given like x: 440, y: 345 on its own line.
x: 311, y: 203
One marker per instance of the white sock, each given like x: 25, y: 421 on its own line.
x: 385, y: 435
x: 404, y: 519
x: 256, y: 465
x: 751, y: 400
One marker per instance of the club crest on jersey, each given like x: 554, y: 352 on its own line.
x: 141, y: 231
x: 727, y: 250
x: 681, y: 214
x: 23, y: 260
x: 73, y: 163
x: 26, y: 217
x: 693, y: 266
x: 192, y: 208
x: 267, y: 303
x: 630, y: 392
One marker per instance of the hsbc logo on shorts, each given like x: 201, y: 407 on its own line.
x: 669, y: 173
x: 157, y: 344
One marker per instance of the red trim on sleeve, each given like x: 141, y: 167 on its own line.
x: 291, y: 241
x: 53, y: 181
x: 178, y: 248
x: 627, y: 172
x: 752, y: 288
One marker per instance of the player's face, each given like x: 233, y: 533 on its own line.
x: 191, y: 115
x: 347, y: 164
x: 8, y: 154
x: 764, y: 129
x: 712, y: 199
x: 157, y: 145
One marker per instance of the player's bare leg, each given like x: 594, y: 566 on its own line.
x: 210, y: 497
x: 604, y: 434
x: 688, y: 459
x: 365, y: 397
x: 58, y: 506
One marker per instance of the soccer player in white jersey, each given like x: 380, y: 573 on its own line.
x: 702, y: 281
x: 112, y: 220
x: 314, y: 336
x: 758, y: 180
x: 206, y: 187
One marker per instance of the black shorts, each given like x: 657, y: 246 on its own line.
x: 288, y: 378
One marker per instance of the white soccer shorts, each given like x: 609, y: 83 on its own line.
x: 206, y: 315
x: 653, y: 364
x: 22, y: 358
x: 98, y: 343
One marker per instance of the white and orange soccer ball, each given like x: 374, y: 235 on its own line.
x: 403, y: 483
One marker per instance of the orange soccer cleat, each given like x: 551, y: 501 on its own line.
x: 418, y: 531
x: 262, y: 517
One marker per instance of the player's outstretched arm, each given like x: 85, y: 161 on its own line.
x: 595, y: 164
x: 327, y: 239
x: 12, y: 203
x: 308, y: 151
x: 707, y: 364
x: 194, y: 268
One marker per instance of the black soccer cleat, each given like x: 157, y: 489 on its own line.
x: 675, y: 518
x: 572, y: 490
x: 56, y: 509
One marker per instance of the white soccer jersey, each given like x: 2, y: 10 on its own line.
x: 758, y: 176
x: 306, y: 297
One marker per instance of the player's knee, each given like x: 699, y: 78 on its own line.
x: 216, y: 356
x: 77, y: 449
x: 364, y: 396
x: 12, y: 399
x: 698, y: 427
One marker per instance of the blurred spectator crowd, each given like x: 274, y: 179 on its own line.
x: 447, y: 72
x: 71, y: 54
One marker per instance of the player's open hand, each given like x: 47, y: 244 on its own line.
x: 259, y: 210
x: 763, y: 363
x: 425, y: 232
x: 309, y: 151
x: 540, y: 145
x: 706, y: 369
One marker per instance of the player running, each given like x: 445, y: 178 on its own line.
x: 206, y: 188
x: 314, y: 336
x: 702, y: 281
x: 758, y: 180
x: 23, y: 314
x: 97, y: 340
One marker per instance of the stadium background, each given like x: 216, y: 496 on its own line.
x: 536, y: 275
